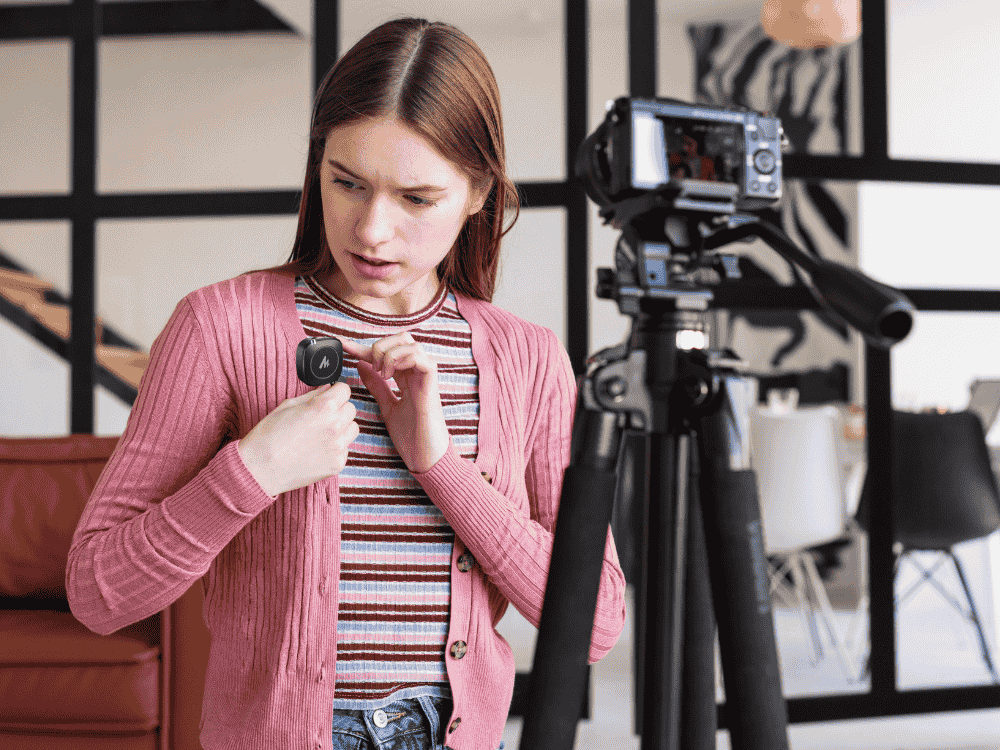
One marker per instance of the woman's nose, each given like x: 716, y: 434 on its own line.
x: 375, y: 224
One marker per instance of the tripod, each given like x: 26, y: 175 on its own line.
x: 703, y: 558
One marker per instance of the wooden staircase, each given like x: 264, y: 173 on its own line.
x: 34, y: 306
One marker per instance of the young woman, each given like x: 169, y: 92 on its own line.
x: 357, y: 544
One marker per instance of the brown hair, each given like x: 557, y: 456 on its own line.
x: 434, y: 79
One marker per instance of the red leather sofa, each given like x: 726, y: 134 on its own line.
x: 61, y: 685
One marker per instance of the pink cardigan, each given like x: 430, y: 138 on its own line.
x: 176, y: 505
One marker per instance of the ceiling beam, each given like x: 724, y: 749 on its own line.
x: 145, y: 18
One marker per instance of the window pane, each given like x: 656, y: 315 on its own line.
x: 203, y: 113
x: 145, y: 267
x: 34, y: 117
x: 34, y: 381
x: 930, y: 236
x: 935, y: 365
x: 524, y: 46
x: 174, y: 257
x: 943, y: 70
x: 533, y: 269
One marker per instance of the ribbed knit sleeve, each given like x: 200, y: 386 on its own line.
x: 173, y: 494
x: 508, y: 522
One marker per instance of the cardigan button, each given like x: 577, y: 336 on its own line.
x: 454, y: 725
x: 458, y: 649
x: 465, y: 562
x: 487, y: 477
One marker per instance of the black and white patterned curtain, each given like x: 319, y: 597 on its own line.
x: 816, y: 95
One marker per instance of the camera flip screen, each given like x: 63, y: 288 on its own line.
x: 667, y: 149
x: 720, y: 159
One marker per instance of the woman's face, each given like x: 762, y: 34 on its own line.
x: 392, y: 209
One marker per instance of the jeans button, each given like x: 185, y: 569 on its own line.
x: 380, y: 719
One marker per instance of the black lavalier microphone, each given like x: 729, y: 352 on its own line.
x: 319, y: 360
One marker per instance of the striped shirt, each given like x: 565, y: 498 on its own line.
x: 396, y: 545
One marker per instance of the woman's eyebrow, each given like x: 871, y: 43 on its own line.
x: 411, y: 189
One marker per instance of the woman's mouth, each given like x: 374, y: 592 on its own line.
x: 372, y: 268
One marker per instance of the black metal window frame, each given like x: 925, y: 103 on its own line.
x: 86, y: 21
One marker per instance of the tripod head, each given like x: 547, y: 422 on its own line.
x: 682, y: 181
x: 666, y: 259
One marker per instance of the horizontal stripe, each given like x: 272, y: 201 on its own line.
x: 376, y: 670
x: 399, y: 608
x: 391, y: 641
x: 432, y: 631
x: 382, y: 689
x: 398, y: 628
x: 389, y: 665
x: 354, y: 588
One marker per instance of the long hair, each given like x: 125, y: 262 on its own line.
x: 436, y: 80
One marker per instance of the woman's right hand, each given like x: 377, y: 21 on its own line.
x: 303, y: 440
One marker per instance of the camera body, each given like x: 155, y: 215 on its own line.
x: 719, y: 160
x: 319, y: 361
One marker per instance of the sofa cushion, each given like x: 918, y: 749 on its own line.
x: 57, y: 675
x: 44, y: 484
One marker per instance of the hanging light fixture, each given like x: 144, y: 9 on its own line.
x: 808, y: 24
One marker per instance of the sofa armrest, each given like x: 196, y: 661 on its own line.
x: 184, y: 642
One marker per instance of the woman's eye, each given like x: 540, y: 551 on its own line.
x: 416, y: 200
x: 345, y: 183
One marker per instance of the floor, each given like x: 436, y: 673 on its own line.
x: 936, y: 647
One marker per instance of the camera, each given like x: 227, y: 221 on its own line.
x: 319, y: 360
x: 706, y: 158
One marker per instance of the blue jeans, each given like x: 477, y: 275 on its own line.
x: 409, y: 724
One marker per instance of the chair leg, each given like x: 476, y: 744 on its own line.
x: 861, y: 610
x: 974, y: 616
x: 819, y: 591
x: 779, y: 587
x: 926, y: 576
x: 801, y: 582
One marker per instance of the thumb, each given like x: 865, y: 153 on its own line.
x: 376, y: 385
x: 303, y: 397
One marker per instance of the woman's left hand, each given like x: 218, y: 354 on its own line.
x: 415, y: 418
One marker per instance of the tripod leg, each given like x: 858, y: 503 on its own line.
x: 639, y: 445
x: 755, y: 707
x: 558, y: 674
x: 699, y: 718
x: 666, y: 559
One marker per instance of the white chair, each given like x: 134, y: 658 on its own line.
x: 802, y: 498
